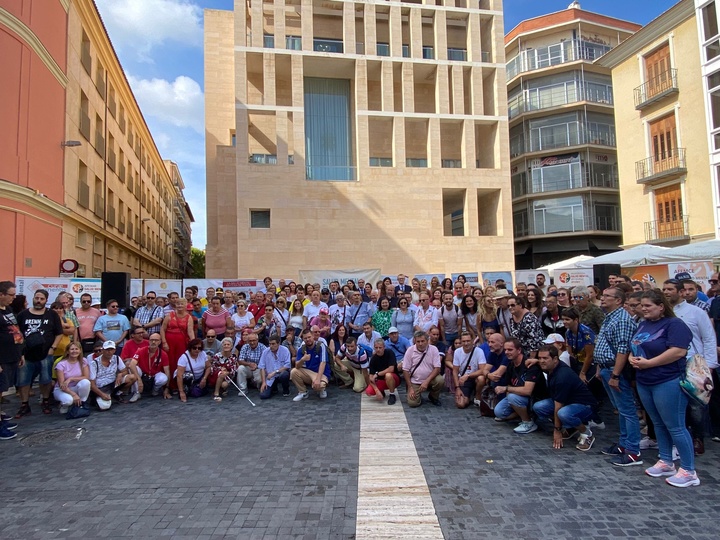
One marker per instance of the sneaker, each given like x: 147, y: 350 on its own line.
x: 392, y: 399
x: 301, y: 396
x: 4, y: 416
x: 286, y: 394
x: 46, y: 407
x: 120, y: 397
x: 24, y: 410
x: 675, y: 454
x: 647, y: 442
x: 64, y: 409
x: 526, y: 427
x: 322, y: 394
x: 498, y: 419
x: 627, y: 460
x: 585, y: 442
x: 613, y: 450
x: 477, y: 402
x: 683, y: 479
x: 661, y: 469
x: 434, y: 401
x: 7, y: 424
x: 135, y: 397
x: 716, y: 439
x: 6, y: 434
x: 593, y: 425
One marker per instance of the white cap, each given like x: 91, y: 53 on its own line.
x: 392, y: 330
x: 109, y: 344
x: 104, y: 404
x: 554, y: 338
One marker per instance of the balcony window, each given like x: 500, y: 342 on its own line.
x: 558, y: 215
x: 269, y: 41
x: 554, y: 54
x: 428, y: 52
x: 294, y: 43
x: 457, y: 54
x: 263, y: 159
x: 328, y: 45
x: 259, y: 219
x: 416, y: 162
x: 381, y: 162
x: 383, y: 49
x: 451, y: 164
x: 406, y: 51
x: 557, y: 173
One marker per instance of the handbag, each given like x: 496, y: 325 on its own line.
x: 697, y: 380
x: 78, y: 411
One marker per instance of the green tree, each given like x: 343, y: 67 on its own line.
x: 197, y: 259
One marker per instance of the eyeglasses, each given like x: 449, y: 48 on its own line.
x: 562, y: 294
x: 195, y: 348
x: 579, y: 297
x: 112, y: 307
x: 511, y: 305
x: 713, y: 281
x: 151, y: 297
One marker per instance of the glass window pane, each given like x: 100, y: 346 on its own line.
x: 710, y: 22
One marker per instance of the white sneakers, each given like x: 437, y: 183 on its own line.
x: 301, y: 396
x: 526, y: 427
x: 323, y: 394
x: 134, y: 397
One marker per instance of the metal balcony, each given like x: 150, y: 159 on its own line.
x: 659, y: 231
x: 656, y: 89
x: 664, y: 166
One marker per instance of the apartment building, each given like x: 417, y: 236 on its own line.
x: 565, y: 192
x: 355, y: 135
x: 665, y: 177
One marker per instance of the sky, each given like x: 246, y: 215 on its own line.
x: 160, y: 46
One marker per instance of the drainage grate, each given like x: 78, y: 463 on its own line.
x: 53, y: 435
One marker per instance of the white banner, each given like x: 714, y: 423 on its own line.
x: 530, y: 276
x: 471, y: 277
x: 573, y: 277
x: 136, y: 287
x: 325, y: 277
x: 202, y: 285
x: 245, y: 285
x: 700, y: 271
x: 489, y: 278
x: 54, y: 286
x: 163, y: 287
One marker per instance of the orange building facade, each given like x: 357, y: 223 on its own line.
x: 33, y: 63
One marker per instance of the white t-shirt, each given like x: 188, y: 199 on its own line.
x: 311, y: 310
x: 241, y: 322
x: 337, y: 315
x: 460, y: 358
x: 368, y: 342
x: 104, y: 375
x: 196, y: 365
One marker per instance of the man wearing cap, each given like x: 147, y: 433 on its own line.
x: 421, y: 369
x: 504, y: 317
x: 152, y: 362
x: 109, y: 377
x: 590, y: 315
x: 557, y: 341
x: 292, y: 342
x: 325, y: 297
x: 398, y: 345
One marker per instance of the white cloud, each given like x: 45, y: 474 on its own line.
x: 179, y: 103
x: 140, y: 25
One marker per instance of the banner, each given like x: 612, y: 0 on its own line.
x: 700, y: 271
x: 163, y: 287
x: 654, y: 274
x: 245, y: 285
x: 530, y: 276
x: 471, y: 277
x: 325, y: 277
x: 573, y: 277
x: 80, y: 286
x: 136, y: 287
x: 428, y: 277
x: 202, y: 285
x: 489, y: 279
x: 53, y: 285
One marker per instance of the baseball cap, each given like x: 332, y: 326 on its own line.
x: 103, y: 404
x: 109, y: 344
x: 683, y: 275
x: 325, y: 291
x: 554, y: 338
x: 392, y: 330
x: 324, y: 310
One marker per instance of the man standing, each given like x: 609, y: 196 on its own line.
x: 87, y: 316
x: 358, y: 313
x: 209, y: 294
x: 449, y: 320
x: 590, y: 315
x: 612, y: 347
x: 368, y: 337
x: 11, y: 348
x: 248, y: 360
x: 43, y: 331
x: 173, y: 299
x: 402, y: 286
x: 312, y: 310
x: 275, y: 366
x: 690, y: 291
x: 570, y: 406
x: 521, y: 289
x: 551, y: 319
x: 426, y: 316
x: 338, y: 312
x: 113, y: 326
x: 458, y: 293
x: 149, y: 316
x: 468, y: 372
x: 211, y: 345
x: 540, y: 282
x: 421, y: 369
x: 311, y: 367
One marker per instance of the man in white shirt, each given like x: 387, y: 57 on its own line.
x: 312, y: 310
x: 426, y: 316
x: 468, y: 371
x: 368, y: 337
x: 338, y: 311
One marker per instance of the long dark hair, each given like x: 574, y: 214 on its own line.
x: 657, y: 297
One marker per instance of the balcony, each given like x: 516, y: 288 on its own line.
x: 99, y: 206
x: 84, y: 194
x: 524, y: 184
x: 555, y: 54
x: 457, y: 54
x: 328, y: 45
x: 664, y: 166
x: 656, y: 89
x: 562, y: 136
x: 659, y: 231
x: 557, y: 95
x: 428, y: 52
x: 85, y: 125
x: 522, y: 227
x: 100, y: 144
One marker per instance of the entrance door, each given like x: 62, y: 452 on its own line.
x: 669, y: 212
x: 663, y: 135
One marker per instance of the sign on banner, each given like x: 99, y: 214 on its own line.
x: 54, y: 286
x: 573, y: 277
x: 80, y: 286
x: 654, y: 274
x: 428, y: 277
x: 700, y: 271
x: 325, y: 277
x: 245, y: 285
x: 136, y: 287
x: 530, y: 276
x: 163, y: 287
x: 471, y: 277
x: 202, y: 285
x: 489, y: 278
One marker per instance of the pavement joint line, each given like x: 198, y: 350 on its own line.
x: 399, y: 496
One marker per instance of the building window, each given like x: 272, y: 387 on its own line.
x: 383, y: 49
x: 713, y: 83
x: 83, y: 187
x: 710, y: 31
x: 84, y: 116
x: 259, y: 219
x: 269, y: 41
x: 453, y: 212
x: 85, y: 58
x: 489, y: 212
x: 380, y: 162
x: 558, y: 215
x: 81, y: 239
x: 294, y: 43
x: 657, y: 71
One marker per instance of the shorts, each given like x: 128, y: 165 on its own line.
x: 8, y: 376
x: 27, y: 374
x: 468, y: 389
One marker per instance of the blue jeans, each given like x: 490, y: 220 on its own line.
x: 624, y: 402
x: 666, y: 404
x: 570, y: 416
x: 505, y: 407
x: 450, y: 339
x: 42, y: 369
x: 281, y: 379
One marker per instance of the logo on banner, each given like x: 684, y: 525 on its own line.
x: 77, y: 288
x: 564, y: 278
x: 559, y: 160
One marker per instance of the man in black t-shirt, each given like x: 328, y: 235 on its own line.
x: 382, y: 373
x: 570, y: 405
x: 43, y: 330
x: 524, y: 384
x: 11, y: 347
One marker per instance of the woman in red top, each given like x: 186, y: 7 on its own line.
x: 176, y: 331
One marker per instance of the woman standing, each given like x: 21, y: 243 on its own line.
x: 296, y: 316
x: 659, y: 348
x: 469, y: 310
x: 216, y: 318
x: 488, y: 317
x: 193, y: 370
x: 176, y: 331
x: 535, y: 302
x: 282, y: 315
x: 73, y: 379
x: 243, y: 318
x: 382, y: 318
x: 403, y: 319
x: 415, y: 292
x: 525, y: 326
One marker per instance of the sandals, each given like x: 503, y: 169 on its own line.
x: 46, y: 407
x: 217, y: 398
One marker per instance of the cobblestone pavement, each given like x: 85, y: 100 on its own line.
x: 289, y: 470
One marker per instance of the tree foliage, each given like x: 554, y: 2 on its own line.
x: 197, y: 259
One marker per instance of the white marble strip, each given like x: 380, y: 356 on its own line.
x: 393, y: 496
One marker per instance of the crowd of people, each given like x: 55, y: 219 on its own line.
x: 539, y: 355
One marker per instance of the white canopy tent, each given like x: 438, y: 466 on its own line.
x: 634, y: 256
x: 700, y: 251
x: 567, y: 263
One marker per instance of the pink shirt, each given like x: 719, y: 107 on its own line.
x: 70, y: 369
x: 87, y: 319
x: 215, y: 321
x: 429, y: 362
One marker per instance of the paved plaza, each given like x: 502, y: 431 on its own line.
x: 290, y: 470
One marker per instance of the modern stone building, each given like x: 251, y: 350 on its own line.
x: 665, y: 177
x: 356, y: 134
x: 565, y: 194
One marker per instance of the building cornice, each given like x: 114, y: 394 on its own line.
x: 9, y: 20
x: 648, y: 34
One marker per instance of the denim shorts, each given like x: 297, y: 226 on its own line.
x: 8, y: 376
x: 31, y: 370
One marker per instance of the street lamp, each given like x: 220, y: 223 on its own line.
x: 69, y: 144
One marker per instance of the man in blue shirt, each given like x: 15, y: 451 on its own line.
x: 274, y: 368
x: 398, y: 345
x: 311, y: 367
x: 358, y: 313
x: 113, y: 326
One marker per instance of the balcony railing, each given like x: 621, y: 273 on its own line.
x: 656, y: 88
x: 328, y: 45
x: 562, y: 136
x: 552, y: 55
x: 457, y: 54
x: 428, y: 52
x: 523, y: 184
x: 85, y: 125
x: 556, y: 95
x: 662, y: 166
x: 523, y: 227
x: 667, y: 231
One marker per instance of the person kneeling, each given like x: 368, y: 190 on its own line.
x: 109, y: 377
x: 468, y: 372
x: 354, y: 360
x: 152, y: 368
x: 383, y: 376
x: 73, y: 382
x: 274, y: 368
x: 311, y: 367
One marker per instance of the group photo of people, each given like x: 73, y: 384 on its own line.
x: 532, y: 356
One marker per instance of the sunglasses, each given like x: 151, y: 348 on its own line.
x: 90, y: 301
x: 195, y: 348
x: 578, y: 297
x: 151, y: 297
x: 713, y: 281
x: 512, y: 305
